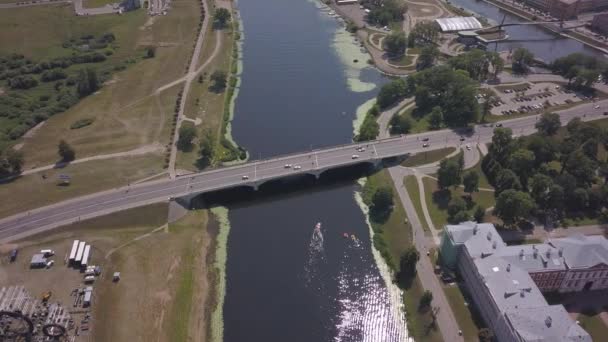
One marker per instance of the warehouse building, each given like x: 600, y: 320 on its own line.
x: 508, y: 281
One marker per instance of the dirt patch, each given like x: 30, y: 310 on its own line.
x: 148, y: 23
x: 30, y: 133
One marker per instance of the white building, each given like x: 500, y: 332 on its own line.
x: 508, y: 281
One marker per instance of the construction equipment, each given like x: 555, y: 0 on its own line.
x: 46, y: 296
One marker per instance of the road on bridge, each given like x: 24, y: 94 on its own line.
x: 257, y: 172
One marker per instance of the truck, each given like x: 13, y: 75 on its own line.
x: 47, y: 252
x: 89, y: 279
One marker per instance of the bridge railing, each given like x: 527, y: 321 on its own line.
x: 290, y: 155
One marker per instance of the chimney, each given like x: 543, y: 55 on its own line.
x: 548, y: 321
x: 560, y: 252
x: 521, y: 253
x: 509, y: 268
x: 548, y: 252
x: 494, y: 244
x: 489, y: 236
x: 535, y: 251
x: 521, y: 293
x: 475, y: 229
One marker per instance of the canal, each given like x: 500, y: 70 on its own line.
x: 542, y: 42
x: 283, y: 283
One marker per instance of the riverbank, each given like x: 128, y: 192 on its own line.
x: 572, y: 34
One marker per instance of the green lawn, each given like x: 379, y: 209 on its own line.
x: 437, y: 201
x: 86, y: 178
x: 391, y: 238
x: 464, y: 316
x: 483, y: 180
x: 594, y: 325
x: 414, y: 192
x: 98, y: 3
x: 419, y: 124
x: 419, y: 323
x: 427, y: 157
x: 394, y: 235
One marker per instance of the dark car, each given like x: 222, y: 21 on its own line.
x: 12, y: 256
x: 425, y: 139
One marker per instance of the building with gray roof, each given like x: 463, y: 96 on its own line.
x: 508, y: 281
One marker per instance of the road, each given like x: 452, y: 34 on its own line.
x: 312, y: 162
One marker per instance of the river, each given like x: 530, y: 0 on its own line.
x: 542, y: 42
x: 283, y: 283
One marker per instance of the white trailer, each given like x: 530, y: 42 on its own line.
x: 73, y: 251
x: 85, y: 256
x: 80, y: 251
x: 88, y: 292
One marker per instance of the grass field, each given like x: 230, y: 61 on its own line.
x: 464, y: 317
x: 98, y: 3
x: 126, y: 114
x: 202, y: 101
x: 160, y: 297
x: 411, y: 185
x: 594, y: 325
x: 427, y: 157
x: 32, y: 191
x: 483, y: 180
x: 419, y: 124
x: 396, y: 236
x: 437, y: 201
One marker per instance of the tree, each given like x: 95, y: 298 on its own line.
x: 502, y: 141
x: 449, y: 173
x: 369, y: 129
x: 395, y: 43
x: 521, y: 60
x: 425, y: 32
x: 407, y: 262
x: 470, y: 180
x: 186, y: 135
x: 512, y: 206
x: 219, y: 80
x: 436, y: 118
x: 382, y: 203
x: 221, y: 17
x: 539, y: 188
x: 505, y: 180
x: 580, y: 167
x: 400, y: 124
x: 150, y: 51
x: 391, y: 93
x: 14, y: 160
x: 65, y: 151
x: 548, y: 124
x: 425, y: 299
x: 457, y: 210
x: 427, y: 57
x: 522, y: 164
x: 479, y: 214
x: 87, y: 82
x: 207, y: 149
x: 485, y: 335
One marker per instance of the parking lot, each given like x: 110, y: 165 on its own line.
x: 531, y: 98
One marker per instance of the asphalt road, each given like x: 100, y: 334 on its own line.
x: 311, y: 162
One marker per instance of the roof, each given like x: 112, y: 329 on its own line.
x: 533, y: 258
x: 458, y: 24
x: 480, y: 239
x: 582, y: 251
x: 511, y: 287
x: 38, y: 259
x: 549, y: 323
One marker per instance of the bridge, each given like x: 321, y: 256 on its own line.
x: 251, y: 174
x: 560, y: 22
x: 255, y: 173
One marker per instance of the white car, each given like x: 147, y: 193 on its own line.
x: 297, y: 167
x: 596, y: 106
x: 287, y: 166
x: 468, y: 147
x: 425, y: 145
x: 355, y: 156
x: 245, y: 177
x: 50, y: 263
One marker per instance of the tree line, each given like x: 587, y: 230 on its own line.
x: 548, y: 175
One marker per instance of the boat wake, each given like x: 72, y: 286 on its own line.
x: 316, y: 257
